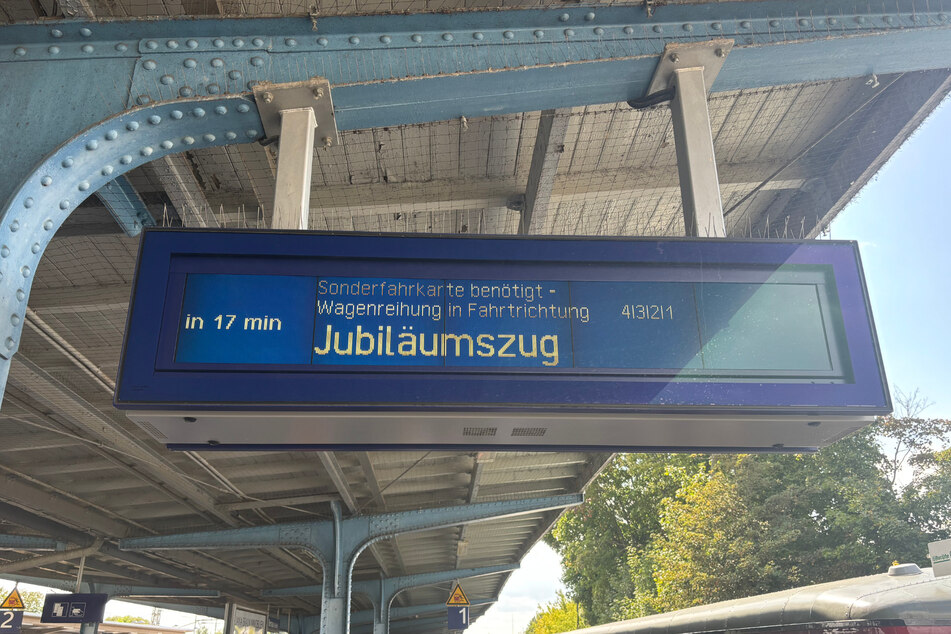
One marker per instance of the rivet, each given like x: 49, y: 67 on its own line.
x: 290, y: 41
x: 167, y: 80
x: 132, y: 126
x: 56, y: 33
x: 832, y: 21
x: 218, y: 42
x: 121, y: 47
x: 149, y: 64
x: 176, y: 114
x: 257, y: 61
x: 15, y: 319
x: 190, y: 63
x: 19, y: 51
x: 28, y: 203
x: 657, y: 29
x: 267, y: 97
x: 198, y: 112
x: 125, y: 159
x: 151, y: 45
x: 716, y: 26
x: 10, y: 342
x: 4, y: 251
x: 234, y: 74
x: 598, y: 30
x: 64, y: 204
x: 688, y: 27
x: 53, y: 50
x: 564, y: 17
x: 35, y: 249
x: 257, y: 42
x: 46, y: 181
x: 251, y: 134
x: 589, y: 16
x: 155, y: 119
x: 221, y: 110
x: 213, y: 89
x: 354, y: 39
x: 416, y: 37
x: 209, y: 138
x: 172, y: 44
x: 166, y: 145
x: 217, y: 62
x: 25, y: 270
x: 478, y: 36
x: 191, y: 43
x: 508, y: 35
x: 85, y: 32
x: 674, y: 57
x: 243, y: 107
x: 628, y: 30
x: 569, y: 32
x: 745, y: 24
x: 48, y: 224
x: 68, y: 162
x: 107, y: 170
x: 14, y: 225
x: 146, y: 151
x: 83, y: 186
x: 774, y: 23
x: 237, y: 42
x: 720, y: 52
x: 803, y: 22
x: 187, y: 140
x: 231, y: 136
x: 539, y: 33
x: 21, y: 295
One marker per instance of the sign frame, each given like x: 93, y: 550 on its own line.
x: 164, y: 397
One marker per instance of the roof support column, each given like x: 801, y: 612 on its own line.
x: 337, y: 543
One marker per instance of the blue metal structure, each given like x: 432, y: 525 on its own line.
x: 27, y: 542
x: 125, y: 205
x: 160, y: 86
x: 337, y: 543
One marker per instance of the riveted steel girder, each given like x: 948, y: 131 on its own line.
x: 114, y: 590
x: 337, y: 543
x: 26, y: 542
x: 125, y: 205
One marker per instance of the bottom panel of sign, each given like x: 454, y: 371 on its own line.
x: 401, y: 430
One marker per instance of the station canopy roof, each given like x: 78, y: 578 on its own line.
x: 790, y: 157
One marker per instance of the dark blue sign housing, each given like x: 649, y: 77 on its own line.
x: 74, y: 608
x: 337, y: 340
x: 457, y: 617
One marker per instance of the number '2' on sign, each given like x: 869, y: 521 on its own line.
x: 11, y: 621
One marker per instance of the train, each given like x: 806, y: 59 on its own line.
x: 905, y: 600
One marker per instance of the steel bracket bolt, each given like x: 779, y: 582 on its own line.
x: 268, y: 97
x: 318, y: 93
x: 327, y: 141
x: 720, y: 52
x: 674, y: 57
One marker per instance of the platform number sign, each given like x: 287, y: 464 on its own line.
x: 11, y: 613
x: 458, y: 609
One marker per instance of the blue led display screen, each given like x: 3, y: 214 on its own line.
x: 782, y: 326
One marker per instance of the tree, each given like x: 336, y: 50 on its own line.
x: 32, y: 601
x: 561, y: 615
x: 128, y: 619
x: 620, y: 511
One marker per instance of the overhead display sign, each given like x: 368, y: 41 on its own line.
x: 271, y: 339
x: 74, y: 608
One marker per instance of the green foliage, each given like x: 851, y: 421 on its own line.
x: 561, y: 615
x: 664, y: 532
x: 32, y: 601
x: 128, y: 619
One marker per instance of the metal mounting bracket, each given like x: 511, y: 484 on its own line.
x: 708, y: 55
x: 313, y: 93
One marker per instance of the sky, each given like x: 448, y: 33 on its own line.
x: 902, y: 221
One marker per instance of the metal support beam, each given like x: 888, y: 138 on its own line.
x: 549, y: 145
x: 26, y: 542
x: 295, y: 160
x: 696, y: 162
x: 125, y: 205
x: 114, y: 590
x: 337, y: 543
x: 52, y: 558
